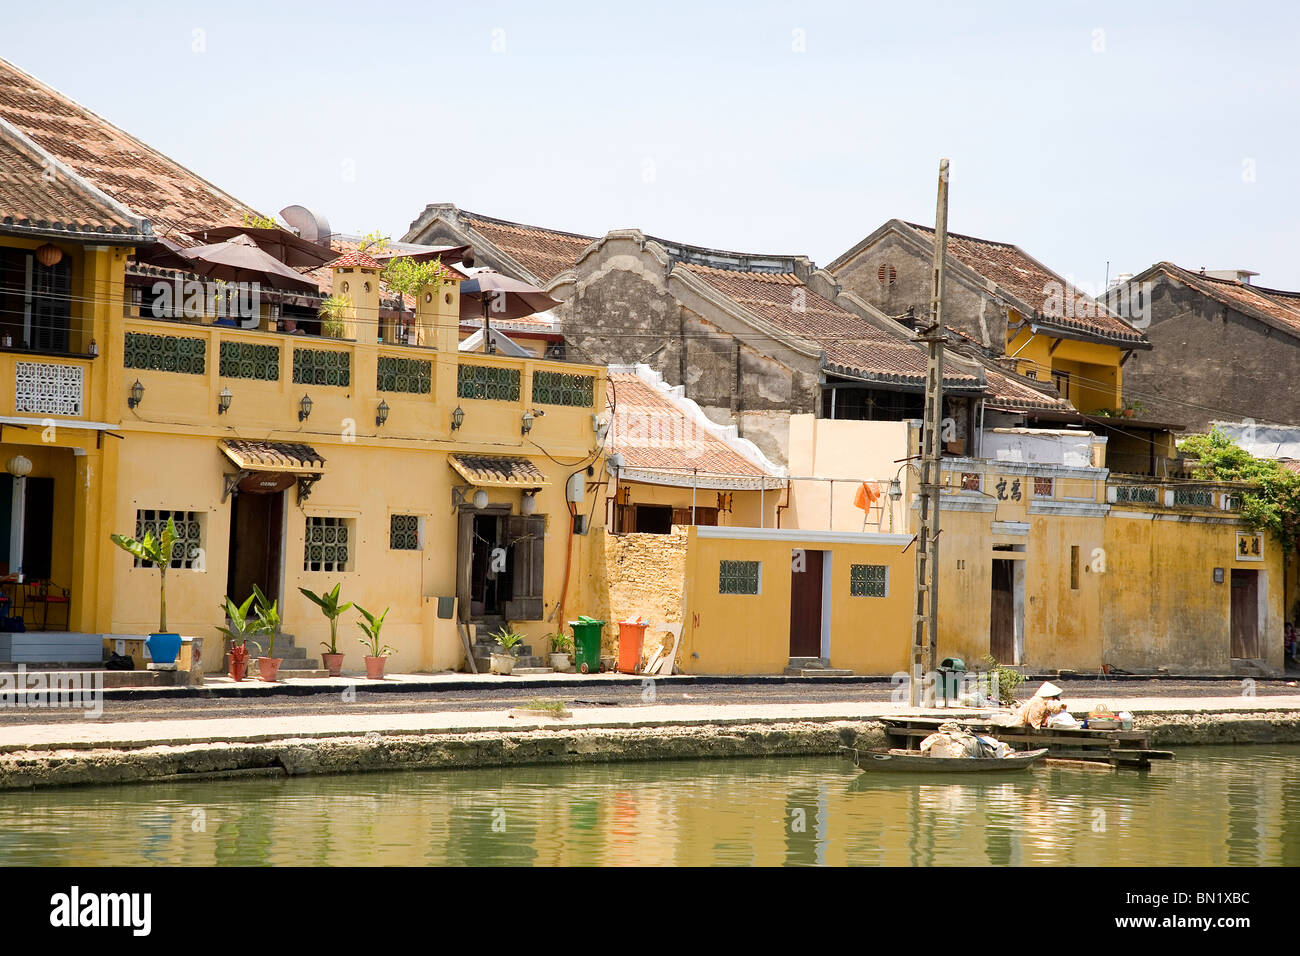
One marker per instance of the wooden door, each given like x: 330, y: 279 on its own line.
x: 1245, y: 614
x: 806, y: 605
x: 1002, y: 628
x: 256, y: 526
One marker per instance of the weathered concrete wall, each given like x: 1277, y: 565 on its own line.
x: 1204, y: 354
x: 643, y: 576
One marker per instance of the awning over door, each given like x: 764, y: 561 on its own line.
x: 498, y: 471
x: 265, y: 467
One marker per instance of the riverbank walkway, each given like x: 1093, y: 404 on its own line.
x: 105, y: 734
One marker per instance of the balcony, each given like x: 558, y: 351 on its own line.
x: 1208, y: 497
x: 45, y: 386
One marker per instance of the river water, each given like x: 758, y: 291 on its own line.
x: 1211, y: 807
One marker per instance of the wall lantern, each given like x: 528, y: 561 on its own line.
x: 136, y: 396
x: 93, y: 349
x: 529, y: 417
x: 381, y: 414
x: 304, y: 408
x: 895, y: 489
x: 528, y: 503
x: 480, y: 499
x: 223, y: 401
x: 20, y: 466
x: 457, y: 418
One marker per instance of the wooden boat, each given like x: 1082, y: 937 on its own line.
x: 913, y: 761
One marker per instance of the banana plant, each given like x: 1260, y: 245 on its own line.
x: 268, y: 619
x: 157, y: 550
x: 371, y: 627
x: 330, y: 607
x: 240, y: 626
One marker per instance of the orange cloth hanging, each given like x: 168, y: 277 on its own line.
x: 866, y: 497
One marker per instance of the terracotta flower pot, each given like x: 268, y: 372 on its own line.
x: 375, y: 667
x: 334, y: 662
x: 238, y: 662
x: 268, y: 667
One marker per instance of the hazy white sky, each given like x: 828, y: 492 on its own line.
x: 1084, y: 132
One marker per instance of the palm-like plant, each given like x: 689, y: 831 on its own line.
x: 330, y: 607
x: 268, y: 619
x: 240, y: 627
x: 371, y: 627
x: 157, y: 550
x: 508, y: 639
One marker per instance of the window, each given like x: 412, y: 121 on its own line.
x: 404, y: 532
x: 1042, y: 487
x: 970, y: 481
x: 187, y: 552
x: 326, y: 545
x: 739, y: 577
x: 886, y: 275
x: 868, y: 580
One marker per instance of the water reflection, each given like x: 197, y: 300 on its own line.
x: 1228, y: 806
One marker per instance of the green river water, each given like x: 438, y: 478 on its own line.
x: 1211, y: 807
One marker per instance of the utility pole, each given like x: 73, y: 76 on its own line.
x: 926, y: 620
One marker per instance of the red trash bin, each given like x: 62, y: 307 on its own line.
x: 631, y: 636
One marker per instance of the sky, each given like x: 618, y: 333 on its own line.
x: 1087, y: 133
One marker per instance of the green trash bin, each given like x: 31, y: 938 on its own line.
x: 952, y: 671
x: 586, y: 643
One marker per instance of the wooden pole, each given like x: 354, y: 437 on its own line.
x: 926, y: 619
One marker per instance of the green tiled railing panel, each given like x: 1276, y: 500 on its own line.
x: 166, y: 353
x: 248, y: 360
x: 404, y: 375
x: 558, y: 388
x: 322, y: 367
x: 488, y: 382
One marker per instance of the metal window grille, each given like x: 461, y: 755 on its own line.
x: 165, y: 353
x: 738, y: 577
x: 557, y: 388
x: 1193, y: 497
x: 404, y: 532
x: 868, y: 580
x: 249, y: 360
x: 322, y: 367
x: 488, y: 382
x: 326, y: 545
x: 1135, y: 494
x: 1042, y: 487
x: 187, y: 552
x: 414, y: 376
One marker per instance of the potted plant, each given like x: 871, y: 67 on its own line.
x: 561, y: 649
x: 330, y: 607
x: 378, y: 656
x: 333, y: 311
x: 1132, y: 408
x: 164, y: 646
x: 268, y: 623
x: 238, y: 628
x: 504, y: 663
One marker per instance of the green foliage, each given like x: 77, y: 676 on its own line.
x: 1007, y: 680
x: 556, y: 708
x: 1272, y: 505
x: 407, y: 277
x: 508, y: 639
x: 371, y: 626
x: 561, y: 643
x: 373, y: 242
x: 240, y: 626
x: 158, y: 552
x: 254, y: 221
x: 268, y: 619
x: 330, y: 607
x: 332, y: 312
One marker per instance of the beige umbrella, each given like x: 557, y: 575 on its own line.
x: 289, y: 248
x: 492, y: 295
x: 239, y: 259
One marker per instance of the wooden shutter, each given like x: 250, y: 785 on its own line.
x: 527, y: 537
x: 464, y: 561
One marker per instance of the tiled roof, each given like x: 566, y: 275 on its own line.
x: 657, y: 431
x: 853, y: 346
x: 543, y: 252
x: 355, y: 259
x: 1026, y: 279
x: 272, y: 456
x: 498, y: 471
x: 38, y: 199
x: 140, y: 178
x: 1277, y: 308
x: 1009, y: 390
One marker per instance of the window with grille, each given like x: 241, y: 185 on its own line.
x: 1042, y: 487
x: 404, y: 532
x: 327, y: 545
x: 868, y: 580
x: 970, y: 481
x: 1194, y: 497
x: 187, y: 552
x: 739, y: 577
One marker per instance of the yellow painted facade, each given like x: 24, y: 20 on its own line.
x: 1089, y: 372
x: 164, y: 454
x: 750, y: 633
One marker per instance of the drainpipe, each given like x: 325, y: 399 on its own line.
x: 782, y: 507
x: 695, y: 481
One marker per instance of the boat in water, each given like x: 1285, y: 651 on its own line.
x: 913, y: 761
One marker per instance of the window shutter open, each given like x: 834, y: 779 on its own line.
x: 527, y: 537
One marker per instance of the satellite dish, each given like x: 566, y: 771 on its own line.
x: 309, y: 224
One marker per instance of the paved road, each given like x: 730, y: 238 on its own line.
x: 502, y: 696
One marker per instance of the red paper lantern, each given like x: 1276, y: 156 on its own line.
x: 49, y: 255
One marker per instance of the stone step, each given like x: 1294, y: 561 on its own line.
x: 817, y: 672
x: 521, y: 663
x: 528, y: 671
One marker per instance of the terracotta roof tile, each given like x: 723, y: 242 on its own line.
x: 1028, y: 280
x: 652, y: 431
x: 272, y: 456
x: 543, y: 252
x: 499, y: 471
x: 137, y: 176
x: 853, y: 346
x: 356, y: 259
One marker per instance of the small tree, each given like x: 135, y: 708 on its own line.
x: 240, y: 627
x: 333, y: 311
x: 371, y: 627
x: 268, y: 619
x: 158, y: 552
x: 330, y: 607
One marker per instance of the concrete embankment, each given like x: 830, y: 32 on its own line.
x: 51, y: 755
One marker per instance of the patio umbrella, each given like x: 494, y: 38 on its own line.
x: 291, y: 249
x: 239, y: 259
x: 491, y: 294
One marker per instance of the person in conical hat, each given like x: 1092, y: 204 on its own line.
x: 1048, y: 690
x: 1036, y: 711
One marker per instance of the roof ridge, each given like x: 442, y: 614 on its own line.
x: 523, y: 225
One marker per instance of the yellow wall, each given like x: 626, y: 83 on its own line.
x: 855, y: 451
x: 1096, y: 379
x: 750, y: 634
